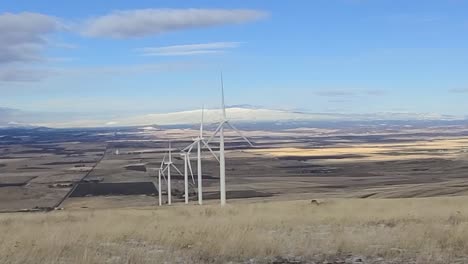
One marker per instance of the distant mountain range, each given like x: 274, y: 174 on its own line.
x: 240, y: 113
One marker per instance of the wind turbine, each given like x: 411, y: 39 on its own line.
x: 161, y: 173
x: 187, y: 164
x: 159, y: 187
x: 200, y: 143
x: 220, y: 130
x: 169, y: 164
x: 158, y: 174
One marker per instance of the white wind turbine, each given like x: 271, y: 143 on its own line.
x: 187, y: 166
x: 158, y: 170
x: 159, y: 187
x: 160, y: 173
x: 200, y: 143
x: 220, y: 130
x: 168, y: 166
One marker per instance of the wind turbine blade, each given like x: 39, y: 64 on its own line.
x: 164, y: 175
x: 170, y: 152
x: 239, y: 133
x: 178, y: 171
x: 162, y: 163
x: 201, y: 124
x: 216, y: 132
x: 189, y: 162
x: 209, y: 148
x: 189, y: 147
x: 222, y: 97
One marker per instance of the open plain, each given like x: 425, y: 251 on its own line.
x: 300, y: 195
x: 43, y: 169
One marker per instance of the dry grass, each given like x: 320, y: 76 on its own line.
x: 451, y: 148
x: 433, y: 230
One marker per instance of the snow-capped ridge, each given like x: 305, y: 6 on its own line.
x: 241, y: 113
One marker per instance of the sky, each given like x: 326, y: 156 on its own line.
x: 141, y: 56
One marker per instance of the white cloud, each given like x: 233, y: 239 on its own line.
x: 22, y: 36
x: 335, y: 93
x: 129, y: 69
x: 22, y: 41
x: 25, y: 36
x: 145, y: 22
x: 349, y: 92
x: 14, y: 74
x: 63, y: 45
x: 459, y: 90
x: 191, y: 49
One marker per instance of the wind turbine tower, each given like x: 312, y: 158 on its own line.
x: 159, y: 187
x: 220, y: 131
x: 187, y: 167
x: 199, y: 167
x: 169, y: 164
x: 200, y: 143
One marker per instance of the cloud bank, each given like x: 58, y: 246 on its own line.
x: 22, y: 36
x: 145, y: 22
x: 22, y: 41
x: 349, y: 93
x: 191, y: 49
x: 21, y: 75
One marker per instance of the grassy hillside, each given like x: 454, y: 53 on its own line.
x: 432, y: 230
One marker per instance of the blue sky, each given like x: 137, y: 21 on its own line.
x: 345, y: 56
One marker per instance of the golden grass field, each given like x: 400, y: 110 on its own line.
x: 424, y: 230
x: 449, y: 147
